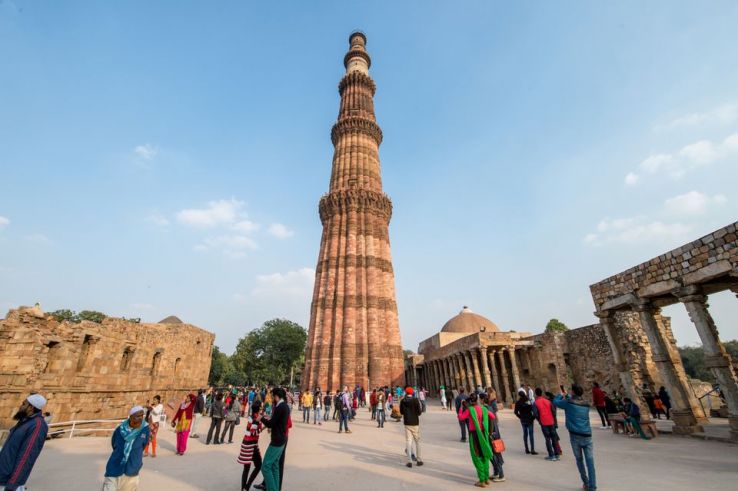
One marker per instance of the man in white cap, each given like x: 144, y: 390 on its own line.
x: 129, y: 441
x: 24, y: 444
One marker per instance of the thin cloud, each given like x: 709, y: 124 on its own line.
x: 293, y: 283
x: 221, y: 212
x: 4, y: 222
x: 245, y: 226
x: 637, y: 230
x: 158, y: 219
x: 693, y: 203
x: 40, y: 239
x: 688, y: 158
x: 146, y: 152
x: 280, y: 231
x: 233, y: 246
x: 722, y: 115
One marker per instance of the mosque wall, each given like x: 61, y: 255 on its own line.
x: 88, y: 370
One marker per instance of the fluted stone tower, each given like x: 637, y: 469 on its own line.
x: 354, y: 335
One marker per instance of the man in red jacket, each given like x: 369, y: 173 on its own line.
x: 598, y: 399
x: 546, y: 419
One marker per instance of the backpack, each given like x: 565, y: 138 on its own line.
x: 339, y: 402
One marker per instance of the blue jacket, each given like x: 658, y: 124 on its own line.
x: 135, y: 459
x: 21, y: 449
x: 577, y: 415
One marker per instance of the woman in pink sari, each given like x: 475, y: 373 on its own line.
x: 182, y: 422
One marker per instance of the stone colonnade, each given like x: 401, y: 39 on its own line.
x: 493, y: 366
x: 688, y: 414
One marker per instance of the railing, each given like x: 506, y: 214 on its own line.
x: 72, y: 427
x: 715, y: 388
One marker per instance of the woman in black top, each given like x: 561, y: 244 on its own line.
x: 524, y: 412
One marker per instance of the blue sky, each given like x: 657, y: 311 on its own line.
x: 163, y: 158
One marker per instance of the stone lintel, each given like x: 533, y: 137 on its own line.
x: 619, y: 302
x: 707, y: 273
x: 659, y: 288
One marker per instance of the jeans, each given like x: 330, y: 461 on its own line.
x: 548, y: 434
x: 326, y: 413
x: 603, y: 416
x: 343, y: 423
x: 583, y: 451
x: 497, y: 465
x: 462, y: 425
x: 528, y: 434
x: 316, y: 415
x: 305, y: 414
x: 380, y: 418
x: 270, y: 467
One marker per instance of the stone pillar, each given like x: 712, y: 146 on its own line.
x: 514, y: 365
x: 454, y: 371
x: 509, y: 397
x: 485, y: 366
x: 613, y: 339
x: 432, y: 376
x: 475, y: 365
x: 446, y: 376
x: 437, y: 375
x: 469, y: 372
x: 716, y: 358
x: 494, y: 375
x: 687, y: 413
x: 462, y: 372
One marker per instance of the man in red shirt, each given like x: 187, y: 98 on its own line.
x: 598, y: 399
x: 546, y: 419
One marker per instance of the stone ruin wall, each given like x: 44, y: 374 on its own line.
x: 80, y: 368
x: 583, y: 356
x: 716, y: 250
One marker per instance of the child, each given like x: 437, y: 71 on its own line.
x: 250, y: 451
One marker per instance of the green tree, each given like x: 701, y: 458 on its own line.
x: 555, y: 325
x: 62, y: 315
x: 220, y: 366
x: 91, y: 315
x: 270, y: 353
x: 693, y: 359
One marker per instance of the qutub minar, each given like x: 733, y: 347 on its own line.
x: 354, y: 334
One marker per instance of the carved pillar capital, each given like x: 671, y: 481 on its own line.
x: 692, y: 293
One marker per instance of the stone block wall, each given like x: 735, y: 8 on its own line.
x: 583, y: 356
x: 97, y: 371
x: 712, y: 254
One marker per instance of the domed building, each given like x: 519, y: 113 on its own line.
x: 471, y: 351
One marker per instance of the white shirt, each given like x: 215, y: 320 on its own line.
x: 156, y: 413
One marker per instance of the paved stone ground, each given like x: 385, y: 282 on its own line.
x: 318, y: 458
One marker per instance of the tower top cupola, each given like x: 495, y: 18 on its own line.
x: 357, y: 59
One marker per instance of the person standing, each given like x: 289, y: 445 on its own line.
x: 442, y: 393
x: 476, y: 417
x: 580, y: 434
x: 217, y: 411
x: 546, y: 420
x: 24, y: 443
x: 345, y: 410
x: 197, y: 413
x: 250, y: 452
x: 381, y: 404
x: 666, y: 401
x: 232, y: 413
x: 498, y: 474
x: 327, y: 402
x: 598, y: 399
x: 411, y: 410
x: 373, y: 403
x: 307, y: 404
x: 154, y: 418
x: 182, y: 422
x: 129, y: 440
x: 524, y: 412
x: 318, y: 407
x: 458, y: 403
x: 278, y: 423
x: 421, y: 398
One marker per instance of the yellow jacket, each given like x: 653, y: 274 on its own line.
x: 307, y: 399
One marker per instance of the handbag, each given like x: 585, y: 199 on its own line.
x: 498, y: 445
